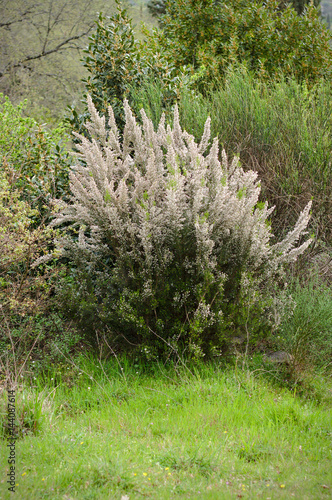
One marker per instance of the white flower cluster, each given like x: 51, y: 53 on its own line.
x: 155, y: 193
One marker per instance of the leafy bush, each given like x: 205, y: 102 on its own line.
x: 173, y: 247
x: 20, y: 245
x: 30, y: 324
x: 116, y: 63
x: 158, y: 7
x: 33, y: 160
x: 269, y: 38
x: 34, y: 170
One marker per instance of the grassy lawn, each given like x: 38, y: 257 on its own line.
x: 212, y: 433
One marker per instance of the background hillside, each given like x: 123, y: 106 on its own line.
x: 41, y: 45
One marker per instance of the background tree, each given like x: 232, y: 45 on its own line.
x: 40, y: 43
x: 266, y: 38
x: 118, y: 65
x: 157, y: 7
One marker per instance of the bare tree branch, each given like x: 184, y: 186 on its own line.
x: 44, y: 37
x: 45, y: 53
x: 23, y: 16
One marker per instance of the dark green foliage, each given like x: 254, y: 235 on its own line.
x: 157, y: 7
x: 117, y: 65
x: 300, y: 5
x: 112, y: 61
x: 102, y: 301
x: 156, y: 327
x: 269, y: 39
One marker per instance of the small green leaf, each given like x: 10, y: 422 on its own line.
x: 107, y: 196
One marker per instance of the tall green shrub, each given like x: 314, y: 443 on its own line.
x: 268, y: 38
x: 34, y: 168
x: 158, y: 7
x: 33, y: 159
x: 30, y: 325
x: 174, y: 246
x: 117, y: 63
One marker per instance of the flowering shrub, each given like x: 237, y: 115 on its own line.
x: 173, y: 246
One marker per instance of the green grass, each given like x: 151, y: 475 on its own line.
x: 149, y: 432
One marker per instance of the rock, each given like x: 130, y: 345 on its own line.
x: 279, y: 357
x: 238, y: 340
